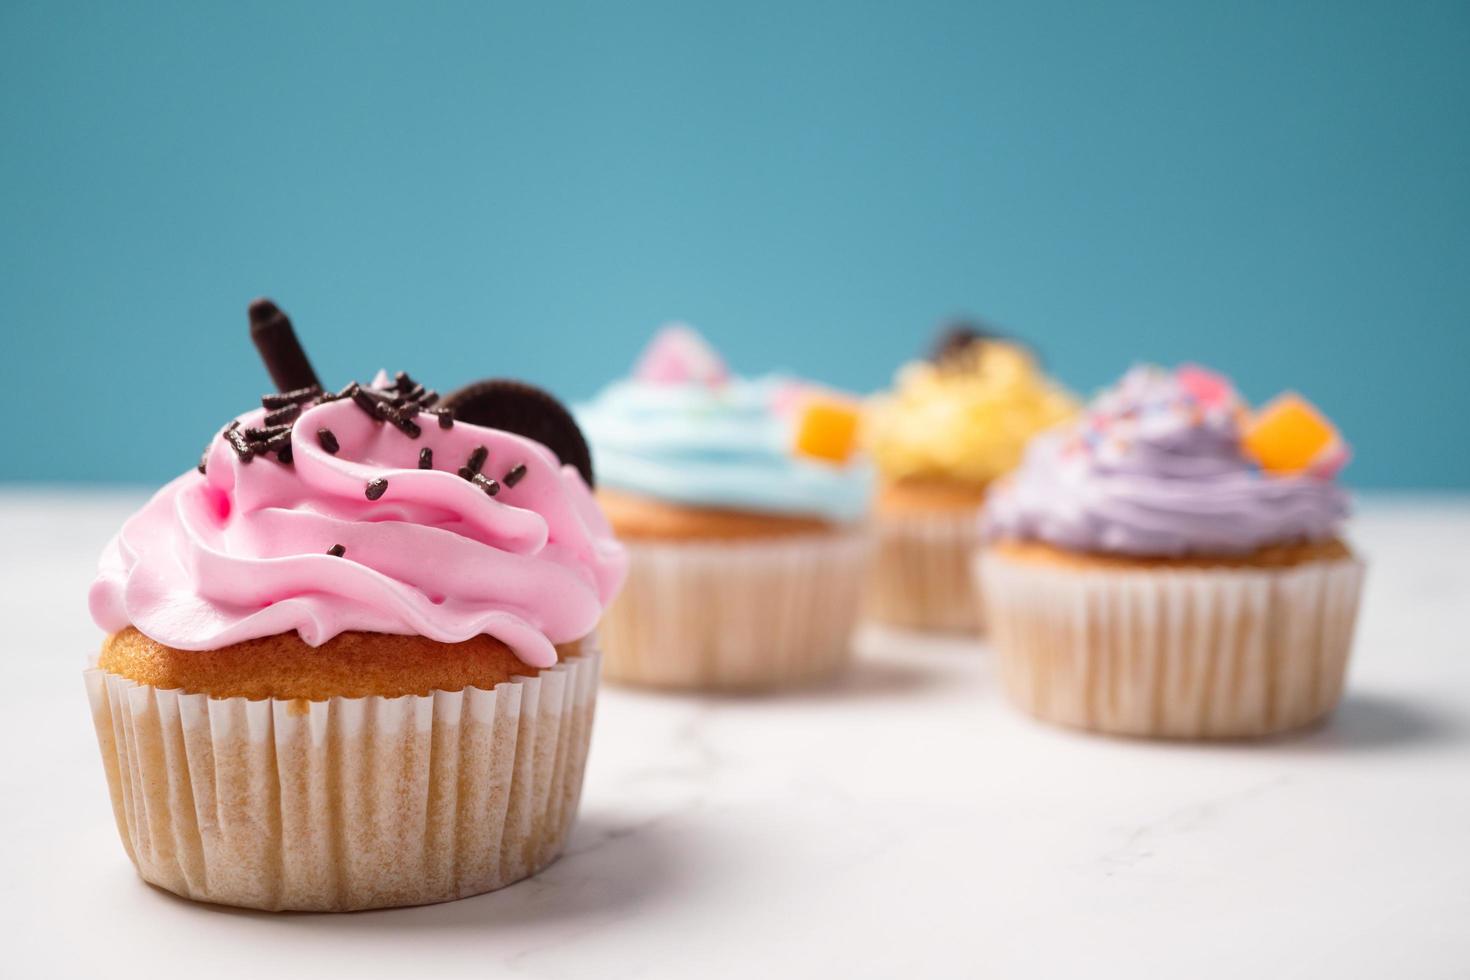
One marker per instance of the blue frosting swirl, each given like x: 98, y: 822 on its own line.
x: 722, y: 445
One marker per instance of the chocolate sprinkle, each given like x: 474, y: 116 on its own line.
x: 477, y: 459
x: 399, y: 405
x: 337, y: 551
x: 407, y: 395
x: 426, y: 458
x: 407, y: 426
x: 286, y: 399
x: 283, y: 415
x: 367, y: 402
x: 278, y: 441
x: 376, y: 488
x: 237, y: 442
x: 253, y: 434
x: 465, y: 473
x: 490, y: 487
x: 514, y: 476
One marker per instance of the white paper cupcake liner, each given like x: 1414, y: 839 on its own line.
x: 350, y: 803
x: 922, y: 575
x: 1179, y: 653
x: 736, y: 615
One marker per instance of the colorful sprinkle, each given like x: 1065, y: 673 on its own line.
x: 1207, y: 388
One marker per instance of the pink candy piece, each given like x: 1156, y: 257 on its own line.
x: 789, y: 396
x: 679, y: 355
x: 1208, y: 388
x: 1331, y: 461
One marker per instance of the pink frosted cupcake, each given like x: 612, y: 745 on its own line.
x: 350, y: 662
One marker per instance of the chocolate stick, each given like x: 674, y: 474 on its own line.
x: 279, y: 348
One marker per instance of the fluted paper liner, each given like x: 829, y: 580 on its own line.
x: 350, y: 803
x: 1179, y: 653
x: 736, y: 615
x: 922, y: 575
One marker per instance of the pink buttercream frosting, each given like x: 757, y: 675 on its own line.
x: 241, y: 551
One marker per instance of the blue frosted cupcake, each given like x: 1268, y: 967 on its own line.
x: 742, y: 504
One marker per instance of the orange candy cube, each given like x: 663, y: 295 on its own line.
x: 1288, y: 435
x: 827, y: 428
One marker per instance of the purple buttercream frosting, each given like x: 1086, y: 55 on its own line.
x: 1155, y: 468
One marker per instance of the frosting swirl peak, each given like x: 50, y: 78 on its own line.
x: 241, y: 551
x: 967, y: 418
x: 1155, y: 467
x: 684, y: 430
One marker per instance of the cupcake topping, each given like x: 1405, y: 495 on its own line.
x: 684, y: 430
x: 827, y: 427
x: 963, y: 342
x: 1157, y: 466
x: 239, y: 550
x: 679, y: 355
x: 1290, y: 436
x: 966, y: 415
x: 515, y: 406
x: 284, y: 358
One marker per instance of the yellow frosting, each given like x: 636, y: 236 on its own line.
x: 968, y: 420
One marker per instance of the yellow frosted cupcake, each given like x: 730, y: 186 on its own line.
x: 950, y: 427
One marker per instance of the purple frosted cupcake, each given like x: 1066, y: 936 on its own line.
x: 1171, y: 565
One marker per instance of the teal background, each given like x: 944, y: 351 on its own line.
x: 1279, y: 189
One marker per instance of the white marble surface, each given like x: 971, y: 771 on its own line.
x: 905, y: 822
